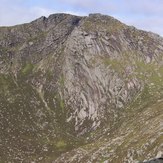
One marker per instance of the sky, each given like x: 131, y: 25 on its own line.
x: 143, y: 14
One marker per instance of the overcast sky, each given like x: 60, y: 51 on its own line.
x: 144, y: 14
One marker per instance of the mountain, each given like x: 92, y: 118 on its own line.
x: 80, y: 89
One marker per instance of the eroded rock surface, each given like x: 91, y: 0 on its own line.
x: 80, y: 89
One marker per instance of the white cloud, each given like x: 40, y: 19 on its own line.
x: 154, y: 25
x: 76, y: 13
x: 118, y: 6
x: 12, y: 14
x: 144, y: 14
x: 18, y: 16
x: 39, y: 11
x: 143, y: 7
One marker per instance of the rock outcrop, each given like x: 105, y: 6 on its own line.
x: 158, y: 160
x: 80, y: 89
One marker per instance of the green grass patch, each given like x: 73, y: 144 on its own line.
x: 27, y: 69
x: 61, y: 144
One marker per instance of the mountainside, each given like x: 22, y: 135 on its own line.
x: 80, y: 89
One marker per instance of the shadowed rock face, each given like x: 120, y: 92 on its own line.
x: 159, y: 160
x: 80, y: 89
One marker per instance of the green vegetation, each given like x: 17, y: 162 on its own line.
x: 37, y: 121
x: 62, y: 80
x: 115, y: 64
x: 150, y: 74
x: 61, y: 144
x: 4, y: 82
x: 37, y: 37
x: 27, y: 69
x: 93, y: 24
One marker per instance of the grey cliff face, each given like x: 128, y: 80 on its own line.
x: 80, y: 89
x: 159, y: 160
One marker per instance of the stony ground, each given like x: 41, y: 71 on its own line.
x: 80, y: 89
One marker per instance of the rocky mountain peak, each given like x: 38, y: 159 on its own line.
x: 54, y: 19
x: 80, y: 89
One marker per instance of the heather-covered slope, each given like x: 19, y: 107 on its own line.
x: 91, y: 86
